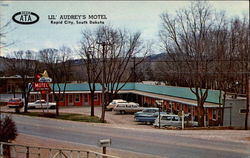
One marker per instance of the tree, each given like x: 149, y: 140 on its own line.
x: 92, y: 61
x: 58, y: 66
x: 113, y: 51
x: 3, y: 31
x: 187, y: 40
x: 23, y: 63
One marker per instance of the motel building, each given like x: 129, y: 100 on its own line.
x: 175, y: 99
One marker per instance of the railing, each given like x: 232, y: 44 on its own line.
x: 9, y: 150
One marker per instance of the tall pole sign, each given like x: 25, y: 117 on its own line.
x: 42, y: 84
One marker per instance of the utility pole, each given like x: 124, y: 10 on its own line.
x: 247, y: 104
x: 134, y: 69
x: 247, y: 88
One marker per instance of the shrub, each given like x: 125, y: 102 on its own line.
x: 8, y: 130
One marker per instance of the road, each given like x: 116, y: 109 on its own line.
x: 164, y: 143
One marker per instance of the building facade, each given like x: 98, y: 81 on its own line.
x: 175, y: 99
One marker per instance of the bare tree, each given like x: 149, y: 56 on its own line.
x: 4, y: 29
x: 239, y: 33
x: 187, y: 39
x: 92, y: 61
x: 114, y: 50
x: 58, y: 66
x: 24, y: 63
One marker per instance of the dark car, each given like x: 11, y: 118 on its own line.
x: 146, y: 111
x: 147, y: 115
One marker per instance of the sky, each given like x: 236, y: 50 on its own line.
x: 134, y: 16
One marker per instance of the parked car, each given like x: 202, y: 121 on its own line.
x: 172, y: 120
x: 130, y: 107
x: 114, y: 103
x: 148, y: 117
x: 146, y: 111
x: 41, y: 104
x: 15, y: 103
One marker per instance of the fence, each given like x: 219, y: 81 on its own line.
x: 9, y: 150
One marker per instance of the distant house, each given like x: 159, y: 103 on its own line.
x: 174, y: 99
x: 234, y: 112
x: 11, y: 86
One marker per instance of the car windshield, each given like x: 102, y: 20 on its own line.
x: 39, y: 102
x: 14, y: 100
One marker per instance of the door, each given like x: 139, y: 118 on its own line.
x: 85, y: 99
x: 70, y: 100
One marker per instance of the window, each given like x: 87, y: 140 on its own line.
x: 77, y: 98
x: 129, y: 106
x: 243, y: 111
x: 175, y: 118
x: 135, y: 106
x: 121, y: 106
x: 145, y: 110
x: 166, y: 118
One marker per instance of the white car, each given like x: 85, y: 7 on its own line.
x: 114, y: 103
x: 172, y: 120
x: 41, y: 104
x: 130, y: 107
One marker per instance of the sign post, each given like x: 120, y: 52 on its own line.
x: 182, y: 122
x: 104, y: 143
x: 181, y: 115
x: 47, y: 99
x: 159, y: 103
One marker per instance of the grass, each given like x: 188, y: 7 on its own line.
x: 66, y: 116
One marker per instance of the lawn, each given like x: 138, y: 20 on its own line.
x: 65, y: 116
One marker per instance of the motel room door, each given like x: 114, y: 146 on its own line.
x: 70, y: 101
x: 85, y: 99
